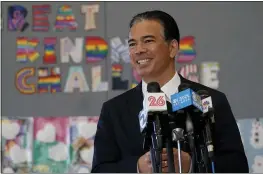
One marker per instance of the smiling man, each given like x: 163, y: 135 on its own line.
x: 153, y: 45
x: 151, y: 56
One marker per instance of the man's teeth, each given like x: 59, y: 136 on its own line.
x: 143, y: 61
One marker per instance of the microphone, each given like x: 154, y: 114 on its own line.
x: 185, y: 101
x: 208, y: 115
x: 155, y: 106
x: 151, y: 117
x: 207, y: 104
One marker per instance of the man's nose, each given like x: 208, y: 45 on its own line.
x: 140, y: 49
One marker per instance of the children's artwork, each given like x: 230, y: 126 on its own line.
x: 21, y: 80
x: 89, y: 11
x: 26, y: 49
x: 17, y: 18
x: 16, y: 147
x: 82, y: 132
x: 40, y: 17
x: 70, y: 49
x: 76, y: 79
x: 48, y: 80
x: 65, y: 19
x: 119, y: 51
x: 256, y: 139
x: 49, y: 50
x: 257, y: 166
x: 96, y: 49
x: 187, y: 52
x: 117, y: 82
x: 51, y: 145
x: 97, y: 84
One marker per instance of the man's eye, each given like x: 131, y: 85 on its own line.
x: 147, y: 41
x: 131, y: 44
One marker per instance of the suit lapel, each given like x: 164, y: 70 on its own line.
x: 183, y: 80
x: 193, y: 85
x: 134, y: 106
x: 135, y: 100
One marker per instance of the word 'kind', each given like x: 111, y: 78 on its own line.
x: 95, y: 48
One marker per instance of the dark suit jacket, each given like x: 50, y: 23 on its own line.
x: 119, y: 143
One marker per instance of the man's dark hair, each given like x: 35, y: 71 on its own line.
x: 171, y: 30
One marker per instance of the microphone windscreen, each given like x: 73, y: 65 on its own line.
x: 203, y: 93
x: 153, y: 87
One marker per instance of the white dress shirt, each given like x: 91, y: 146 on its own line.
x: 168, y: 89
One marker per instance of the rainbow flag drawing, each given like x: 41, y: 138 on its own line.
x: 40, y: 18
x: 96, y: 49
x: 26, y: 49
x: 116, y: 70
x: 49, y: 50
x: 65, y: 19
x: 53, y: 80
x: 21, y: 80
x: 187, y: 52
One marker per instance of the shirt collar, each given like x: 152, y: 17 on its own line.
x: 169, y: 88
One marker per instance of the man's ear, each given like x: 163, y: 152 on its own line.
x: 174, y: 48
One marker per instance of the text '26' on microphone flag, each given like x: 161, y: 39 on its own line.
x: 154, y: 102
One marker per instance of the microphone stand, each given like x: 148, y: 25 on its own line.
x: 202, y: 161
x: 163, y: 138
x: 204, y: 154
x: 170, y: 155
x: 152, y: 153
x: 158, y: 141
x: 156, y: 148
x: 159, y: 136
x: 209, y: 119
x: 206, y: 147
x: 168, y: 140
x: 150, y: 141
x: 178, y: 135
x: 169, y: 146
x: 191, y: 140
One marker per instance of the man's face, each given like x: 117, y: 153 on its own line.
x: 150, y: 53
